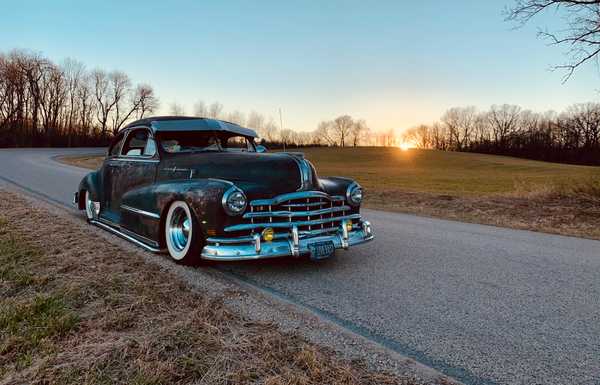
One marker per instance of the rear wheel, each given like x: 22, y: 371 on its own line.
x: 182, y: 234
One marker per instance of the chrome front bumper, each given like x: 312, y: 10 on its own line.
x: 294, y: 245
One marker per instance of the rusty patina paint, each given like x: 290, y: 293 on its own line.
x: 150, y: 185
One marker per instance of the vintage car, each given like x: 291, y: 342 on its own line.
x: 203, y: 189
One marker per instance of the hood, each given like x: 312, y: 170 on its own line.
x: 259, y: 175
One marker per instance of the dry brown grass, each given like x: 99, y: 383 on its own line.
x: 112, y: 318
x: 558, y: 209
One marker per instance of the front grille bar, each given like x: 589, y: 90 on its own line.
x: 289, y: 225
x: 266, y: 214
x: 294, y: 196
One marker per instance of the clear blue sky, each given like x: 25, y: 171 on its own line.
x: 393, y: 63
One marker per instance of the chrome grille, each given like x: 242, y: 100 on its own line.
x: 312, y: 212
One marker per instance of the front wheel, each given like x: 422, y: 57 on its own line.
x: 89, y: 207
x: 183, y: 235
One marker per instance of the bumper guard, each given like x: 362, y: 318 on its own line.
x: 250, y: 248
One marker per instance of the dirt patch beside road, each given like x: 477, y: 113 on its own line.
x: 76, y: 309
x: 554, y: 212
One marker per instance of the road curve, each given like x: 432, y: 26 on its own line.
x: 482, y: 304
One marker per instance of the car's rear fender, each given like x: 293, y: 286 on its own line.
x: 91, y: 185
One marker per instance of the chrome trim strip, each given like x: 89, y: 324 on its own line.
x: 121, y: 158
x: 125, y: 236
x: 140, y: 238
x: 295, y: 195
x: 221, y: 180
x: 285, y: 214
x: 289, y: 225
x: 305, y: 171
x: 302, y: 234
x: 141, y: 212
x: 311, y: 204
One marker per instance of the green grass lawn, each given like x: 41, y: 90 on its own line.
x: 452, y: 173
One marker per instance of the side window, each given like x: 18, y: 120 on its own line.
x: 236, y: 143
x: 115, y: 148
x: 135, y: 144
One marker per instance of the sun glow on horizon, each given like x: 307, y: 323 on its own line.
x: 405, y: 146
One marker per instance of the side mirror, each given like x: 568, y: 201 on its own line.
x: 260, y: 148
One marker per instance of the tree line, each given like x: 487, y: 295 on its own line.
x: 43, y: 103
x: 341, y: 131
x: 572, y: 136
x: 47, y: 104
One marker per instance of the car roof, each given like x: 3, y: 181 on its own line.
x: 190, y: 123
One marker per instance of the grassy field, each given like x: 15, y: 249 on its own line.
x: 487, y: 189
x: 91, y: 312
x: 452, y: 173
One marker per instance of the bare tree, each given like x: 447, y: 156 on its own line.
x: 357, y: 131
x: 581, y: 123
x: 105, y: 101
x: 215, y: 110
x: 342, y: 127
x: 582, y: 35
x: 144, y: 101
x: 176, y: 109
x: 504, y: 122
x: 270, y: 130
x: 236, y: 117
x: 460, y: 122
x: 286, y: 136
x: 86, y: 105
x: 419, y: 136
x: 324, y: 133
x: 47, y: 104
x: 200, y: 109
x: 120, y: 86
x: 74, y: 71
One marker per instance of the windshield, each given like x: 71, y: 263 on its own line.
x: 199, y: 141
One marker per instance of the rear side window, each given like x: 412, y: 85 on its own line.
x: 115, y: 148
x: 192, y: 141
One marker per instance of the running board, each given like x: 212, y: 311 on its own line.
x: 125, y: 236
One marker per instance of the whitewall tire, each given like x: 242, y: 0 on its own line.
x: 183, y: 236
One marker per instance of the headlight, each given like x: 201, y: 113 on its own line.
x: 234, y: 201
x: 354, y: 194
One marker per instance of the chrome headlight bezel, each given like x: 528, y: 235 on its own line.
x: 354, y: 194
x: 231, y: 201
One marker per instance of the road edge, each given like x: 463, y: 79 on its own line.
x: 259, y: 304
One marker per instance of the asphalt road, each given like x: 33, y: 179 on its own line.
x: 483, y: 304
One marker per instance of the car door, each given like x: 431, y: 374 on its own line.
x: 109, y: 169
x: 134, y: 167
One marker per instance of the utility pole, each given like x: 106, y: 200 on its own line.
x: 281, y: 128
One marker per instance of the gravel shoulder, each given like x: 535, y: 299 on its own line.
x: 111, y: 300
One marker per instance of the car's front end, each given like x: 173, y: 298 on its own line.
x: 311, y: 222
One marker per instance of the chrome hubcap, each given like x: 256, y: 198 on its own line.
x: 89, y: 206
x: 179, y: 229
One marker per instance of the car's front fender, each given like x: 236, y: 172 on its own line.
x: 202, y: 195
